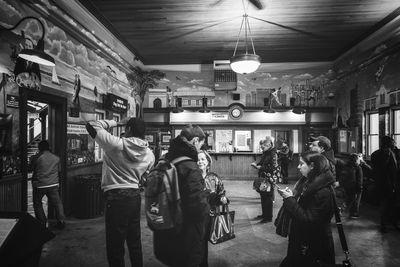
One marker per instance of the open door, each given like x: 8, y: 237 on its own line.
x: 52, y: 114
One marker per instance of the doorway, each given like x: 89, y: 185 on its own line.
x: 43, y: 116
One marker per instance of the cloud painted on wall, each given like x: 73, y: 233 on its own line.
x: 305, y: 76
x: 8, y: 13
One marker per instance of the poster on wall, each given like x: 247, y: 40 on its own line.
x: 80, y: 147
x: 223, y: 141
x: 242, y: 140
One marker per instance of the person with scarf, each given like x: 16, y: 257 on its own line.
x: 268, y: 175
x: 306, y: 214
x: 216, y: 190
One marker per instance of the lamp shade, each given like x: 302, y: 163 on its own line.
x: 37, y: 55
x: 269, y: 110
x: 245, y: 63
x: 299, y: 110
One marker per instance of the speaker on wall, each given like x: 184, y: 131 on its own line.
x: 22, y: 239
x: 236, y: 96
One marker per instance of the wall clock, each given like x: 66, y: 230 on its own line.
x: 236, y: 112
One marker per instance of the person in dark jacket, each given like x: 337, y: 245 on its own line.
x: 284, y: 158
x: 310, y: 208
x: 186, y: 247
x: 352, y: 182
x: 269, y: 172
x: 384, y: 165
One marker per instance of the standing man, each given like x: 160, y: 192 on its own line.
x: 186, y: 248
x: 322, y: 145
x: 384, y: 165
x: 125, y: 160
x: 45, y: 181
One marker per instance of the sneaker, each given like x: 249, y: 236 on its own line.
x: 355, y: 216
x: 60, y: 225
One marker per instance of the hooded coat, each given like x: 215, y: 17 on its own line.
x: 125, y: 159
x: 186, y: 247
x: 310, y: 236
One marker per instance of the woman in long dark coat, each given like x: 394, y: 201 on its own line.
x: 268, y: 173
x: 310, y: 209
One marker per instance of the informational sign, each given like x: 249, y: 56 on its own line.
x: 12, y: 101
x: 76, y: 129
x: 219, y: 116
x: 116, y: 103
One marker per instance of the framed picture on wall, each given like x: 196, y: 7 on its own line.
x: 243, y: 140
x: 151, y: 138
x: 165, y: 138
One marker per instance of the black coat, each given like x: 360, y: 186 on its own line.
x: 352, y: 178
x: 186, y: 247
x: 310, y: 230
x: 192, y: 188
x: 383, y: 163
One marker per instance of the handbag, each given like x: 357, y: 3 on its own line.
x: 260, y: 184
x: 221, y: 226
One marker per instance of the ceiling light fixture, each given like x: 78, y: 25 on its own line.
x: 245, y: 63
x: 36, y: 55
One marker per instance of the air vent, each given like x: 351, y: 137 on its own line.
x: 224, y: 77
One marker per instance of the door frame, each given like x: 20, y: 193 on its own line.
x: 57, y: 136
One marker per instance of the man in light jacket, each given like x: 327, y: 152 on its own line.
x: 125, y: 160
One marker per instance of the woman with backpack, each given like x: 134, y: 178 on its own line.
x: 216, y: 191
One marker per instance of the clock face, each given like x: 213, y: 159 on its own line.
x: 236, y: 112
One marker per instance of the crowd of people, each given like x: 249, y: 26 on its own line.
x: 305, y: 216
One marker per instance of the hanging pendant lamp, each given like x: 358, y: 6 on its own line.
x: 36, y: 55
x: 245, y: 63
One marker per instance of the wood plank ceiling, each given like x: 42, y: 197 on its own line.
x: 200, y: 31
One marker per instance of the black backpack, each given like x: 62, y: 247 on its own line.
x: 162, y: 198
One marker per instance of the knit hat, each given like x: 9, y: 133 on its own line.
x: 191, y: 131
x: 323, y: 141
x: 137, y: 127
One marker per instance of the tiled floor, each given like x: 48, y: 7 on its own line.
x: 82, y: 243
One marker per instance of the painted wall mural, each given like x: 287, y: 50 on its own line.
x: 310, y: 87
x: 376, y: 75
x: 71, y: 57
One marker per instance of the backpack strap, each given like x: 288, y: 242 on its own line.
x: 180, y: 159
x: 168, y: 184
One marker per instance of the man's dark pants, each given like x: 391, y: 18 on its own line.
x: 54, y: 199
x: 122, y: 216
